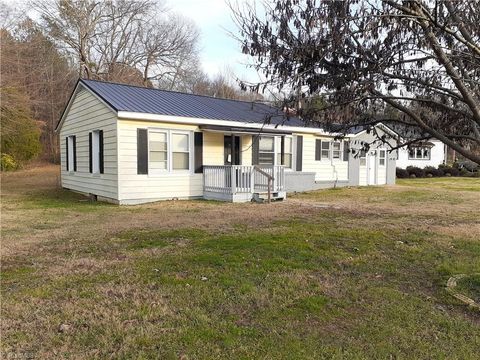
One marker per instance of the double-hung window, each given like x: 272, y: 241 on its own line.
x: 180, y: 151
x: 325, y: 154
x: 336, y: 150
x: 157, y: 151
x: 266, y: 150
x: 382, y: 155
x: 287, y: 152
x: 168, y: 150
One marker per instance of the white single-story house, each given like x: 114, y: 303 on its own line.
x: 131, y: 145
x: 424, y: 153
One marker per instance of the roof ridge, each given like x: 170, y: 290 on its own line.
x: 176, y: 92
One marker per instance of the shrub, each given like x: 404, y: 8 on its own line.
x: 419, y: 173
x: 432, y: 171
x: 8, y: 163
x: 451, y: 171
x: 402, y: 173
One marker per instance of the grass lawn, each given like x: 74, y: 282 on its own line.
x: 338, y: 274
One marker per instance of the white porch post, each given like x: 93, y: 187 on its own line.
x: 233, y: 179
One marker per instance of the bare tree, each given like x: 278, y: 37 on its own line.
x: 73, y: 24
x: 114, y: 40
x: 419, y: 57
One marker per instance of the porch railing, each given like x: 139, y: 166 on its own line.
x: 233, y: 179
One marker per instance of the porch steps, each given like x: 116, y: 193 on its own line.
x: 261, y: 197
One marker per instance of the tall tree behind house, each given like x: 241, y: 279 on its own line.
x: 420, y: 57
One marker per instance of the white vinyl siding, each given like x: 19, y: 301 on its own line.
x: 135, y: 188
x: 86, y: 114
x: 325, y: 169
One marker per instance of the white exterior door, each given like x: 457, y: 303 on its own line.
x: 382, y: 166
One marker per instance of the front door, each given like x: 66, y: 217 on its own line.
x: 231, y: 150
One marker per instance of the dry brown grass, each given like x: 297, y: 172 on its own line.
x: 322, y: 266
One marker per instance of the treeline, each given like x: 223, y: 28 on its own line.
x: 137, y: 42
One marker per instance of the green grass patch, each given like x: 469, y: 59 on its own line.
x: 338, y: 282
x: 62, y: 199
x: 469, y: 286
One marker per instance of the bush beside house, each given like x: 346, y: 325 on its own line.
x: 457, y: 169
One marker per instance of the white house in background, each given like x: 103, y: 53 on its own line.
x: 426, y: 153
x: 131, y: 145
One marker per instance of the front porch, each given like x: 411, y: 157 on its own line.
x: 242, y: 183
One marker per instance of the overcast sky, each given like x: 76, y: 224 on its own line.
x: 213, y: 18
x: 218, y: 48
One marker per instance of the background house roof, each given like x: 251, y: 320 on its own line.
x: 122, y: 97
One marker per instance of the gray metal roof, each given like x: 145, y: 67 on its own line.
x: 122, y: 97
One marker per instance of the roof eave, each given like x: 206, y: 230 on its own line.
x: 79, y: 83
x: 128, y: 115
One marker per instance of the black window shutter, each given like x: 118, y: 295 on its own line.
x: 346, y: 150
x: 142, y: 151
x: 74, y: 153
x: 90, y: 155
x: 299, y: 153
x: 282, y: 150
x: 100, y: 151
x: 66, y: 154
x: 318, y: 149
x: 255, y: 147
x: 198, y: 152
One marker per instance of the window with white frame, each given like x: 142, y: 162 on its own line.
x: 71, y: 153
x: 382, y: 155
x: 95, y: 152
x: 325, y: 154
x: 287, y: 152
x: 336, y: 150
x: 180, y: 151
x: 266, y: 150
x: 328, y: 150
x: 419, y: 153
x: 363, y: 158
x: 168, y: 151
x: 158, y: 151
